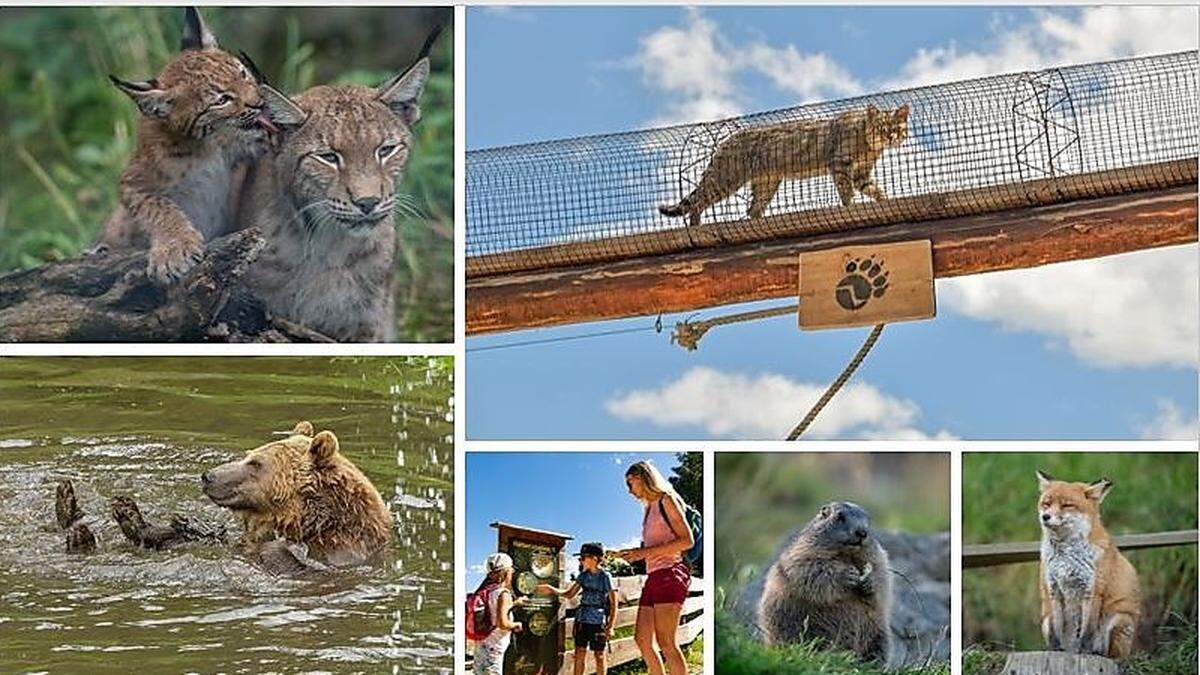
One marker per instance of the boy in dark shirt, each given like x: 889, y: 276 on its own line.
x: 597, y: 611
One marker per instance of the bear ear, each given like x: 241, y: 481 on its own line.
x: 303, y: 428
x: 324, y: 447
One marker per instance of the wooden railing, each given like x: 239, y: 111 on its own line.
x: 624, y: 649
x: 991, y: 555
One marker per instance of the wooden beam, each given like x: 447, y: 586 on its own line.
x: 991, y: 555
x: 692, y: 280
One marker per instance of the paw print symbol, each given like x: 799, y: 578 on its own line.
x: 865, y: 279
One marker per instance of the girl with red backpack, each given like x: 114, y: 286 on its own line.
x: 489, y: 610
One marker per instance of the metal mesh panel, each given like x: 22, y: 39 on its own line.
x: 969, y: 147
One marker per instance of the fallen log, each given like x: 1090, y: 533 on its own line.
x: 107, y: 297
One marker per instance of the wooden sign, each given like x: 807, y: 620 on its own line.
x: 866, y: 285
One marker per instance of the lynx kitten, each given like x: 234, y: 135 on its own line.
x: 202, y: 119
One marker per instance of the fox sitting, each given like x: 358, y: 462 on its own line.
x: 1090, y: 597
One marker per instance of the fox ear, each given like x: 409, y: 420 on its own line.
x: 1044, y: 479
x: 1098, y: 489
x: 196, y: 35
x: 150, y: 99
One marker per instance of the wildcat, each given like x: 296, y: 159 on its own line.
x: 846, y: 147
x: 324, y: 200
x: 202, y: 120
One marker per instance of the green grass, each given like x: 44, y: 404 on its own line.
x: 1176, y: 657
x: 66, y: 133
x: 1151, y: 493
x: 738, y: 653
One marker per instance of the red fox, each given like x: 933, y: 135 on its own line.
x: 1090, y: 597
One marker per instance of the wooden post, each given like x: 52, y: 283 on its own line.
x: 708, y: 277
x: 1058, y: 663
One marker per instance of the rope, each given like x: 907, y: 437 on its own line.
x: 847, y: 372
x: 687, y: 334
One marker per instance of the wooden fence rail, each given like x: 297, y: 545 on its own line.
x: 624, y: 649
x: 991, y: 555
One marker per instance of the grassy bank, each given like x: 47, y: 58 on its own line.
x: 1151, y: 493
x: 67, y: 133
x: 741, y: 654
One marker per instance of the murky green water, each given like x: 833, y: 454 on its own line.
x: 148, y: 427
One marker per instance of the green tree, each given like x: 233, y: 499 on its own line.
x: 688, y: 480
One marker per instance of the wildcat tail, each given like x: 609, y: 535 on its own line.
x: 673, y: 211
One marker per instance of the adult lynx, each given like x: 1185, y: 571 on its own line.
x: 202, y: 118
x: 324, y: 200
x: 845, y: 147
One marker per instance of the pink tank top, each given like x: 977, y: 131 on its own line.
x: 656, y: 530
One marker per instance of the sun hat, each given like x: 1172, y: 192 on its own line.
x: 499, y: 561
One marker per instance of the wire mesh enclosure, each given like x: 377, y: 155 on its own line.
x: 957, y: 149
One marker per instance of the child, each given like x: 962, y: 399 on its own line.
x: 489, y: 653
x: 597, y: 608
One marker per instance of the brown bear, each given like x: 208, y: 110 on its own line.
x: 301, y: 492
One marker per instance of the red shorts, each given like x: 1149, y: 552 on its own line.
x: 668, y: 586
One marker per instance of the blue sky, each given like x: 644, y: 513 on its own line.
x: 581, y: 494
x: 1085, y: 350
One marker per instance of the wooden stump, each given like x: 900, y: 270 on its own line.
x: 107, y: 297
x: 1059, y: 663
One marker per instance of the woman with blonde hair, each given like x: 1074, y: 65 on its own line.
x: 665, y: 536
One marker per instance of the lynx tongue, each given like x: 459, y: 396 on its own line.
x: 267, y: 124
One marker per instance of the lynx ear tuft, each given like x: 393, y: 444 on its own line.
x: 150, y: 100
x: 402, y: 92
x: 196, y: 35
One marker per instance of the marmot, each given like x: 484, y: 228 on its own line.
x: 831, y: 582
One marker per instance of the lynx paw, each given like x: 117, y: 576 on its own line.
x: 171, y: 259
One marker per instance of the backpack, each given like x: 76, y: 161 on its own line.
x: 480, y: 622
x: 695, y: 523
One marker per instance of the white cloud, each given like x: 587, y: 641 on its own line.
x: 697, y: 68
x: 690, y: 65
x: 1171, y: 424
x: 1137, y: 309
x: 767, y: 406
x: 811, y: 77
x: 1057, y: 37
